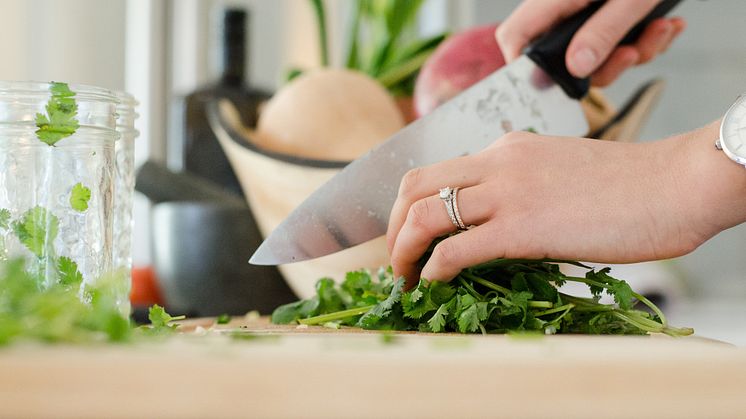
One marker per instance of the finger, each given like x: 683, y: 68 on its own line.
x: 461, y: 251
x: 679, y: 25
x: 426, y: 181
x: 620, y: 60
x: 427, y: 220
x: 654, y: 39
x: 598, y: 37
x: 530, y: 19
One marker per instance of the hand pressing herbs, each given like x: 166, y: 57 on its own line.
x: 501, y: 296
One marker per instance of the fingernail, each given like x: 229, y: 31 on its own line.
x: 584, y: 62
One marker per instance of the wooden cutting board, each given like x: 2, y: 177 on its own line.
x: 284, y: 371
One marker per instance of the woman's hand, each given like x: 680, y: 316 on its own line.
x: 592, y: 50
x: 532, y: 196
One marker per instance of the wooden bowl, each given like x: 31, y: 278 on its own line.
x: 274, y: 185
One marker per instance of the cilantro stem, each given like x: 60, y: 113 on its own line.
x: 540, y: 304
x: 565, y: 307
x: 652, y: 306
x: 470, y: 289
x: 584, y: 304
x: 636, y: 323
x: 337, y: 315
x: 484, y: 282
x: 639, y: 297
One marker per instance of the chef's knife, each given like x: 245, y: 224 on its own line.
x: 536, y: 92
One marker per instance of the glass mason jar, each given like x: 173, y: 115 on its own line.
x: 57, y: 167
x: 124, y: 189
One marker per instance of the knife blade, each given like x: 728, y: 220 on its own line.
x: 534, y: 92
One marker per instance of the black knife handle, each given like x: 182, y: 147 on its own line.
x: 549, y: 50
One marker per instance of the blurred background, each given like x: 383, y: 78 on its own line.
x: 166, y: 52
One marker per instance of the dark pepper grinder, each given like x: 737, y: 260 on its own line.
x: 203, y: 155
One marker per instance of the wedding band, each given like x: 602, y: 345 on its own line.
x: 449, y: 195
x: 456, y: 213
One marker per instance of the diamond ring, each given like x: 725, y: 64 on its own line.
x: 449, y: 196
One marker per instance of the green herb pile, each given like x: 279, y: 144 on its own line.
x: 61, y: 312
x: 502, y: 296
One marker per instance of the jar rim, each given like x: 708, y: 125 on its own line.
x: 126, y: 100
x: 82, y: 91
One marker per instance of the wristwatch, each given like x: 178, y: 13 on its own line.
x: 733, y: 132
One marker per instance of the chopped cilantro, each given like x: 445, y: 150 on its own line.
x: 36, y: 229
x: 79, y: 197
x: 160, y: 319
x: 60, y: 121
x: 69, y: 275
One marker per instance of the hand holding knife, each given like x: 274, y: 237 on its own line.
x: 536, y: 92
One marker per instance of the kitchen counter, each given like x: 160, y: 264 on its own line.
x: 285, y: 371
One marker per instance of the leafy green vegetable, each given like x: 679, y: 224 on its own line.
x: 318, y: 8
x: 55, y: 313
x: 79, y: 197
x: 161, y: 320
x: 36, y: 229
x: 60, y: 121
x: 223, y: 319
x: 501, y: 296
x: 383, y: 310
x: 69, y: 275
x: 383, y: 42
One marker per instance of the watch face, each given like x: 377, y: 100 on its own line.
x: 733, y: 131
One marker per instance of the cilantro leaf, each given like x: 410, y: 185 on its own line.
x: 356, y: 283
x: 329, y: 298
x: 70, y: 276
x: 472, y: 314
x: 437, y: 322
x: 79, y: 197
x: 160, y: 320
x: 291, y: 312
x: 416, y: 303
x: 425, y: 298
x: 619, y: 289
x: 37, y: 229
x: 60, y: 120
x: 383, y: 309
x: 622, y: 294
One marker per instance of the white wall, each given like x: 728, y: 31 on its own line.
x: 78, y: 41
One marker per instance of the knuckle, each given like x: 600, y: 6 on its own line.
x: 397, y: 262
x: 502, y: 35
x: 515, y: 137
x: 444, y: 255
x: 418, y: 215
x: 601, y: 42
x: 515, y: 144
x: 410, y: 181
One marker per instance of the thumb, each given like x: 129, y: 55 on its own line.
x: 595, y: 41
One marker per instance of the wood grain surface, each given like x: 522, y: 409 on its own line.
x: 284, y: 371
